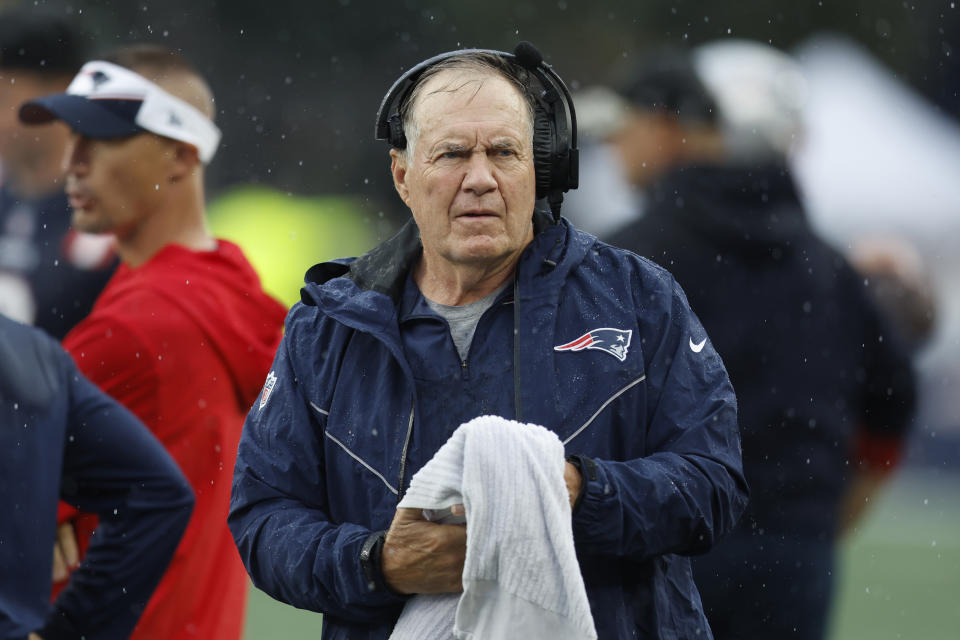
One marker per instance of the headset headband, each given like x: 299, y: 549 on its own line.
x: 558, y: 170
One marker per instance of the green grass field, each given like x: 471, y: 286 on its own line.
x: 899, y: 573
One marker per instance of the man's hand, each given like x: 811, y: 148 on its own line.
x: 573, y: 480
x: 423, y: 557
x: 33, y: 636
x: 66, y: 555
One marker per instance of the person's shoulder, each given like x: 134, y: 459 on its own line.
x: 619, y: 262
x: 104, y: 324
x: 32, y: 363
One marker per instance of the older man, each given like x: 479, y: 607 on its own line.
x: 483, y: 305
x: 183, y: 333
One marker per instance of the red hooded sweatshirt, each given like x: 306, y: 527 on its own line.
x: 185, y: 342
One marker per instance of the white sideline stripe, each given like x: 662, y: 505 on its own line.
x: 358, y: 459
x: 604, y: 406
x: 318, y: 409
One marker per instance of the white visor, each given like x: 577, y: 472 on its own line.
x: 160, y: 112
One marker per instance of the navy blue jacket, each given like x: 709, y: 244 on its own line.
x: 367, y: 385
x: 61, y: 437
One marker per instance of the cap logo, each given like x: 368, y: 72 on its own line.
x: 99, y: 78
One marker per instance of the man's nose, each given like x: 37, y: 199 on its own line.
x: 479, y: 178
x: 76, y: 157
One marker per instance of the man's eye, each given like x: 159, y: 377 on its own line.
x: 505, y: 153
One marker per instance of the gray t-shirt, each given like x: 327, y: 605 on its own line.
x: 463, y: 320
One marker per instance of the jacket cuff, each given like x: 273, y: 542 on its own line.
x: 370, y: 556
x: 58, y: 626
x: 588, y: 472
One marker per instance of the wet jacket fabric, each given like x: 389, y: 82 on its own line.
x: 367, y: 385
x: 184, y: 342
x: 815, y: 372
x: 61, y: 436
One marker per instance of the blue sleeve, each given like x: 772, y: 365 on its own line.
x: 689, y: 488
x: 292, y: 547
x: 114, y: 467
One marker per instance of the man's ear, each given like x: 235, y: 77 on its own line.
x: 184, y: 160
x: 398, y: 167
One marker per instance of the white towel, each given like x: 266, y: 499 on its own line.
x: 521, y: 578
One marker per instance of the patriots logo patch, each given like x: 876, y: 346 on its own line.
x: 612, y: 341
x: 267, y: 388
x: 99, y: 78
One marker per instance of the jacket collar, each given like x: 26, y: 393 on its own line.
x: 384, y: 269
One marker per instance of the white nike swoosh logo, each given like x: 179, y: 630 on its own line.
x: 697, y: 348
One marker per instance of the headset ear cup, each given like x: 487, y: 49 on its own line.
x: 397, y: 137
x: 543, y: 152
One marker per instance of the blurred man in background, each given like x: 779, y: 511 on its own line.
x: 49, y: 274
x: 825, y: 390
x: 61, y: 436
x: 183, y: 334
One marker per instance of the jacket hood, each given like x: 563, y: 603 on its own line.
x: 243, y: 323
x: 753, y: 210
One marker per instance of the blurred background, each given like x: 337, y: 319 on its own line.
x: 298, y: 85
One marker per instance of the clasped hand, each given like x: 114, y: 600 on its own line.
x: 420, y: 556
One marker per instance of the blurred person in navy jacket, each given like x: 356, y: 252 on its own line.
x: 49, y: 274
x: 825, y: 390
x: 60, y: 436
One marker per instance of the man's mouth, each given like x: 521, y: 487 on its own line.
x: 477, y: 214
x: 79, y: 200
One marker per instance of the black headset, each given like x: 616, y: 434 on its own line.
x: 555, y: 154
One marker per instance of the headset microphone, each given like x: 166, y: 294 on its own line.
x: 556, y: 158
x: 527, y: 55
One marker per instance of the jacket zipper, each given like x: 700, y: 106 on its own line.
x: 403, y: 453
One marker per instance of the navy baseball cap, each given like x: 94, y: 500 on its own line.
x: 106, y: 101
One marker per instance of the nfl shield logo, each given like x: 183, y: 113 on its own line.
x: 267, y: 388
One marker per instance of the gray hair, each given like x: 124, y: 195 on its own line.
x: 481, y: 65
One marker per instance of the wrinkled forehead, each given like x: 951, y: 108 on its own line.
x: 453, y: 90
